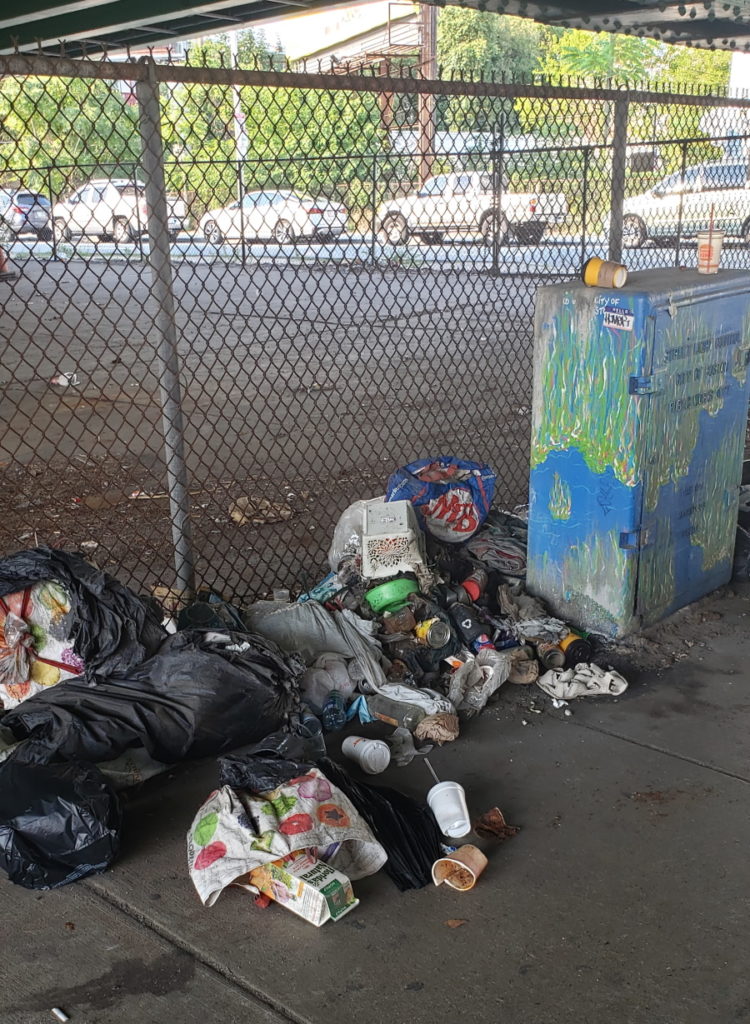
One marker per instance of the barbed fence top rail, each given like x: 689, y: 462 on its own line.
x: 603, y: 90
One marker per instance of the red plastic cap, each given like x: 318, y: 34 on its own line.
x: 472, y: 589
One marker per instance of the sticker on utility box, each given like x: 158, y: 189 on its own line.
x: 618, y: 319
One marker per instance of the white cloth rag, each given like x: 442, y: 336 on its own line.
x: 583, y: 681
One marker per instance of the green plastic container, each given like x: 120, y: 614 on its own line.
x: 391, y: 596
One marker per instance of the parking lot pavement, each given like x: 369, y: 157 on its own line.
x: 556, y: 256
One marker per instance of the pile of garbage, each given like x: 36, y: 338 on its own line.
x: 421, y: 620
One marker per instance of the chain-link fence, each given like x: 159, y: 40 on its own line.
x: 243, y: 297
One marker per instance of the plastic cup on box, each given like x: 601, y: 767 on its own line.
x: 447, y: 802
x: 709, y: 251
x: 372, y: 756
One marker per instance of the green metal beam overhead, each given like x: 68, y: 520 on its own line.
x: 89, y: 26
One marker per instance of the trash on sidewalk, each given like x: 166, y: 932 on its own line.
x: 306, y: 886
x: 237, y: 831
x: 583, y: 681
x: 451, y: 496
x: 58, y: 822
x: 492, y: 825
x: 461, y: 869
x: 372, y: 756
x: 440, y: 728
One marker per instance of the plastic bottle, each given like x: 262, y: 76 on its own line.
x: 471, y: 627
x: 333, y: 715
x: 394, y: 712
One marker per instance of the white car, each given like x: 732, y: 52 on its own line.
x: 281, y: 216
x: 111, y: 208
x: 683, y: 205
x: 466, y: 203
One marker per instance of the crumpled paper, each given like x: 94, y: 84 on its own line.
x: 440, y: 728
x: 583, y: 681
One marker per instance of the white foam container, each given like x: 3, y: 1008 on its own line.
x: 447, y: 802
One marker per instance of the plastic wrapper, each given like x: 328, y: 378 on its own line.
x: 112, y: 629
x: 474, y: 683
x: 58, y: 822
x: 451, y: 496
x: 347, y: 535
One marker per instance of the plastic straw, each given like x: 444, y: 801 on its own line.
x: 711, y: 225
x: 431, y: 770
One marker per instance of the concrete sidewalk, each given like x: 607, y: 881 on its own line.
x: 623, y: 899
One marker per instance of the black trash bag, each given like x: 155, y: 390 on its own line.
x: 202, y: 694
x: 406, y: 829
x: 58, y: 822
x: 279, y: 757
x: 114, y: 630
x: 258, y: 773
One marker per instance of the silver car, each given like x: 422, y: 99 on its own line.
x: 24, y: 212
x: 683, y: 204
x: 282, y: 216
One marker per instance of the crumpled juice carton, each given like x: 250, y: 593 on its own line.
x: 306, y: 886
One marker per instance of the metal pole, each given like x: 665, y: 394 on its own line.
x: 149, y: 112
x: 51, y: 221
x: 498, y: 172
x: 678, y: 240
x: 374, y: 208
x: 619, y: 160
x: 585, y: 203
x: 241, y: 200
x: 427, y: 101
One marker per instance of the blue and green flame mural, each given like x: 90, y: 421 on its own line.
x: 640, y: 405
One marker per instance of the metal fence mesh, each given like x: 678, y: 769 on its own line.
x: 352, y: 265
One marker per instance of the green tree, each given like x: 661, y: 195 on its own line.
x: 582, y: 54
x: 315, y: 142
x: 482, y: 44
x: 58, y: 132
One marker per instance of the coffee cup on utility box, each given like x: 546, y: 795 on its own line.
x: 709, y: 251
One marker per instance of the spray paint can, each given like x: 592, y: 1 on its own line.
x: 576, y: 650
x: 475, y: 583
x: 550, y: 655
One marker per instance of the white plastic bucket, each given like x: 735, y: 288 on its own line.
x: 372, y: 756
x: 447, y: 802
x: 709, y: 251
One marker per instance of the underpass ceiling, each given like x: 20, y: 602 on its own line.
x: 90, y: 26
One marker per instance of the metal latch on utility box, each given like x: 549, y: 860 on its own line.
x: 647, y: 385
x: 635, y: 540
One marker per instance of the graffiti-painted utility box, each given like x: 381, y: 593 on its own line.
x: 640, y: 410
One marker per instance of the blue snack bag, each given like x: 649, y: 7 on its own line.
x: 450, y: 496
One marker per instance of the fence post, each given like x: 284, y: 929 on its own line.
x: 374, y: 207
x: 585, y: 203
x: 619, y: 159
x: 149, y: 113
x: 683, y: 176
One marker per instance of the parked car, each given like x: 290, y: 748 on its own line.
x: 24, y: 212
x: 111, y: 208
x: 466, y: 202
x: 682, y: 204
x: 283, y: 216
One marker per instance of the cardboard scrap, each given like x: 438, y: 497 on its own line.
x: 258, y: 511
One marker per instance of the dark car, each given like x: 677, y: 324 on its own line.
x: 23, y: 212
